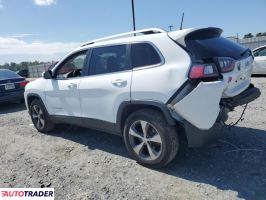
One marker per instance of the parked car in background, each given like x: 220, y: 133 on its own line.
x: 259, y: 60
x: 12, y: 86
x: 24, y: 73
x: 150, y: 86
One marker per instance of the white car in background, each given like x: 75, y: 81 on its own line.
x: 259, y: 60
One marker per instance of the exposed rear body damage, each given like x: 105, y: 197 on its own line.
x: 230, y: 67
x: 196, y: 104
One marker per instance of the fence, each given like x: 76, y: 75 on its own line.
x: 36, y: 71
x: 251, y: 43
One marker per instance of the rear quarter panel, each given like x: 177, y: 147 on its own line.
x: 159, y: 83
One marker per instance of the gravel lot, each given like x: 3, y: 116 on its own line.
x: 86, y: 164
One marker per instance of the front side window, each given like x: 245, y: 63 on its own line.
x: 73, y: 66
x: 108, y: 59
x: 260, y: 52
x: 144, y: 54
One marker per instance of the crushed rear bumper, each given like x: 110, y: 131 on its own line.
x: 203, y: 111
x: 247, y: 96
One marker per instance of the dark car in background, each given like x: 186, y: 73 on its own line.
x: 12, y: 86
x: 24, y: 73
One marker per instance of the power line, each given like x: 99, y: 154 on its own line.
x: 170, y: 27
x: 133, y: 15
x: 181, y: 25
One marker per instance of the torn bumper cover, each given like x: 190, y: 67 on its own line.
x: 200, y: 110
x: 201, y: 106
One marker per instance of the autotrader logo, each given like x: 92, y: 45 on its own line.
x: 27, y: 193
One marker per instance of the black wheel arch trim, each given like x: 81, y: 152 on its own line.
x: 37, y: 97
x: 159, y: 105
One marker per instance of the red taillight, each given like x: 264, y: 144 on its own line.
x: 203, y: 71
x: 23, y: 84
x: 226, y: 64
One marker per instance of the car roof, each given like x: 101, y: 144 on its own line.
x: 148, y: 35
x: 6, y: 70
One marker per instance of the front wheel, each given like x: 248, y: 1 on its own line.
x: 149, y: 139
x: 40, y: 117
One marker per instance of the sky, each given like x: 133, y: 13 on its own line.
x: 45, y: 30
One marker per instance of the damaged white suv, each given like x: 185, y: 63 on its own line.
x: 150, y: 86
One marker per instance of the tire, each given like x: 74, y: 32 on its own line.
x: 40, y: 117
x: 146, y: 147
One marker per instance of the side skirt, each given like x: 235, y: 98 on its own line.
x: 95, y: 124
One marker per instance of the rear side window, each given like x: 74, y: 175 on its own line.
x: 108, y: 59
x: 214, y: 47
x: 6, y: 74
x: 144, y: 54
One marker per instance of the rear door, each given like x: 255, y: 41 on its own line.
x: 107, y: 84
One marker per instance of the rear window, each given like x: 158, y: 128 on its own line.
x: 144, y: 54
x: 6, y: 74
x: 214, y: 47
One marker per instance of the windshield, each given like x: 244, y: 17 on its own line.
x: 7, y: 74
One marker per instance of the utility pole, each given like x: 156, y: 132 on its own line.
x: 181, y: 25
x: 133, y: 16
x: 170, y: 27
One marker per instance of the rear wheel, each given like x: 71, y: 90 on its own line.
x: 149, y: 139
x: 40, y: 117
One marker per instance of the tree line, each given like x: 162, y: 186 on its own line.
x: 250, y: 35
x: 19, y: 66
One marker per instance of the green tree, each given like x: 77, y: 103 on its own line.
x: 19, y: 66
x: 249, y: 35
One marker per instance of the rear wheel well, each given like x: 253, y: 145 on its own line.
x: 129, y: 109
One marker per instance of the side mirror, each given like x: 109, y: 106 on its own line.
x: 48, y: 74
x: 256, y: 54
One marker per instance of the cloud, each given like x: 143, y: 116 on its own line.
x: 9, y: 46
x: 1, y: 4
x: 21, y: 35
x: 44, y: 2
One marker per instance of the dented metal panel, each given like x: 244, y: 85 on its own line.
x: 201, y: 106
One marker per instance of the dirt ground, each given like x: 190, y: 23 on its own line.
x: 86, y: 164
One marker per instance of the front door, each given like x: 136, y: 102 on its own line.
x: 62, y: 94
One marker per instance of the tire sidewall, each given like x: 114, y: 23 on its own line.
x: 162, y: 130
x: 40, y: 105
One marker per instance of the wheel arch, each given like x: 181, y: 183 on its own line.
x: 128, y: 107
x: 31, y: 97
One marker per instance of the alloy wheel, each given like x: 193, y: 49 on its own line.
x: 38, y: 117
x: 145, y: 140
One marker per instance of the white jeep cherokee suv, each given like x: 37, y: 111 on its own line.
x: 150, y: 86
